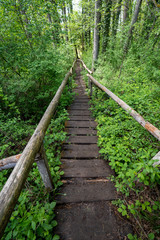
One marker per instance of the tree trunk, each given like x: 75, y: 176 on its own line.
x: 125, y: 11
x: 106, y: 25
x: 83, y: 28
x: 115, y: 18
x: 97, y: 22
x: 71, y: 7
x: 65, y: 22
x: 134, y: 19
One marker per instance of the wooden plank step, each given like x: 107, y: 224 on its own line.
x: 73, y: 151
x: 80, y: 104
x: 82, y: 139
x: 81, y: 124
x: 87, y: 191
x: 85, y: 169
x: 80, y: 118
x: 90, y: 221
x: 81, y: 131
x: 84, y: 96
x: 79, y: 107
x: 85, y: 101
x: 79, y: 113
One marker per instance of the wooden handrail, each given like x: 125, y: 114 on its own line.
x: 148, y: 126
x: 84, y: 65
x: 12, y: 189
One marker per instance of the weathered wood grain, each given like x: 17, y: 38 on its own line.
x: 156, y: 157
x: 43, y: 167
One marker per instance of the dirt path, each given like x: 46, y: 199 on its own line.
x: 84, y: 209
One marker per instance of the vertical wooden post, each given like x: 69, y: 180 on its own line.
x: 90, y: 87
x: 43, y: 167
x: 96, y: 92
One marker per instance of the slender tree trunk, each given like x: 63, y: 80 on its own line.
x: 71, y: 7
x: 65, y: 22
x: 106, y: 25
x: 89, y: 23
x: 116, y: 18
x: 83, y: 28
x: 125, y: 11
x: 134, y: 19
x: 97, y: 21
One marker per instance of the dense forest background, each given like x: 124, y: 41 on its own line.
x: 120, y: 41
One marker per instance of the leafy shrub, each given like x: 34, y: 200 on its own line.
x: 127, y: 146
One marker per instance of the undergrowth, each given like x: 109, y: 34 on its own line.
x: 34, y: 216
x: 127, y: 146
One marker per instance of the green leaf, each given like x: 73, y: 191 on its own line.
x: 149, y: 209
x: 151, y: 236
x: 33, y: 225
x: 56, y: 237
x: 120, y: 210
x: 54, y: 223
x: 130, y: 236
x: 9, y: 236
x: 155, y: 207
x: 53, y: 204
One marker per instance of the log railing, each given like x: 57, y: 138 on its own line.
x: 148, y: 126
x: 34, y: 149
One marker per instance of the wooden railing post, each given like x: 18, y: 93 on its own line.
x: 43, y: 167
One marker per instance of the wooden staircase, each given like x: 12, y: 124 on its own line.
x: 84, y: 209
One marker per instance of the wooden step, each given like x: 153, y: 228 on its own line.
x: 79, y: 113
x: 85, y: 169
x: 73, y: 151
x: 80, y: 118
x: 82, y: 139
x: 81, y: 131
x: 90, y: 221
x: 87, y: 191
x: 80, y: 124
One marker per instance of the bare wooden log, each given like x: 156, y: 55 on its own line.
x: 148, y: 126
x: 12, y: 189
x: 42, y: 163
x: 83, y: 64
x: 9, y: 162
x: 156, y: 157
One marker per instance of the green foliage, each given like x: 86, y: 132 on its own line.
x: 34, y: 211
x: 32, y: 60
x: 127, y: 146
x: 37, y: 219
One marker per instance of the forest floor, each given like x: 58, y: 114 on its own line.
x: 84, y: 203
